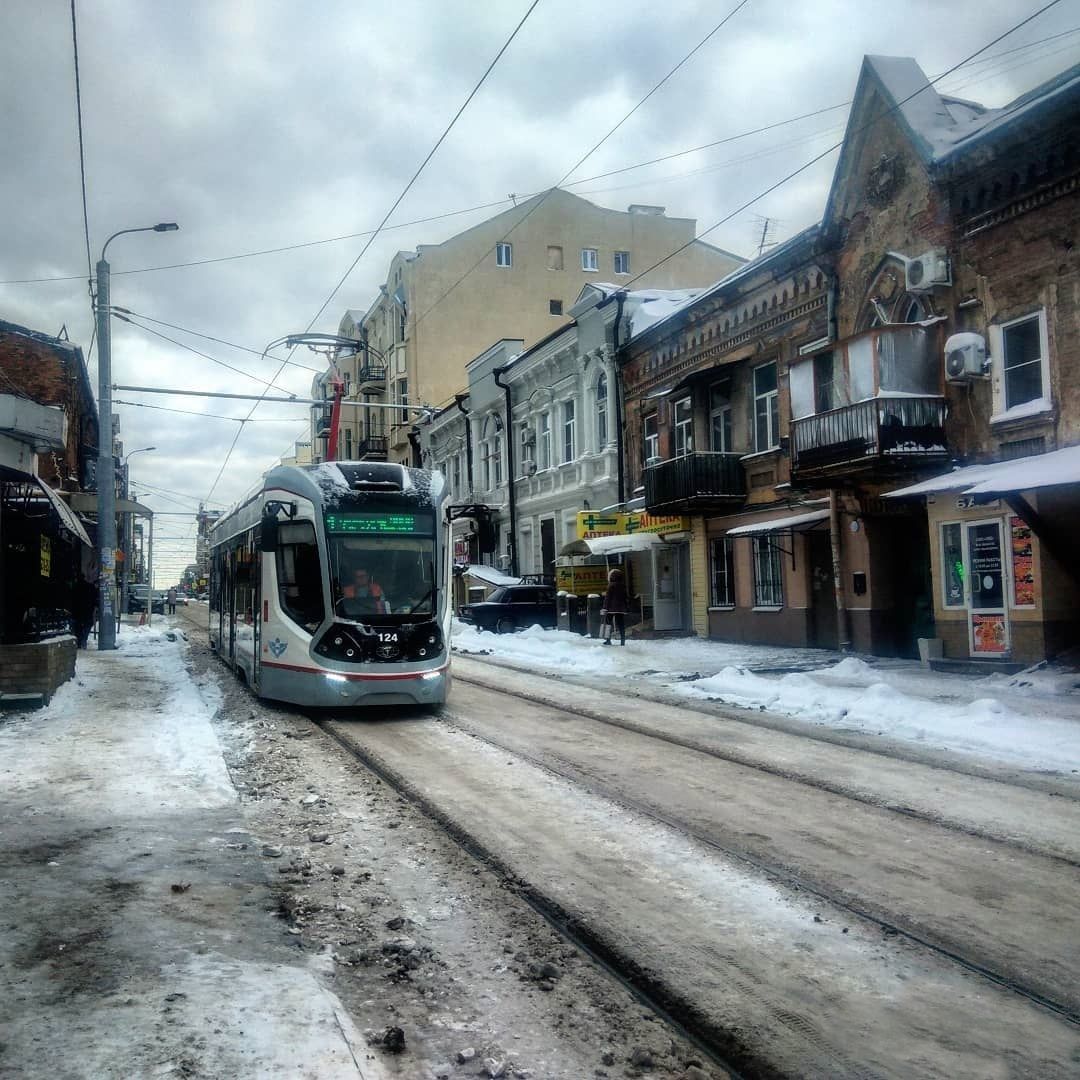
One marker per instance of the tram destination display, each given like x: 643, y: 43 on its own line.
x: 379, y: 523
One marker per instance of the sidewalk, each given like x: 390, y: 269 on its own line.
x: 1031, y: 720
x: 139, y: 937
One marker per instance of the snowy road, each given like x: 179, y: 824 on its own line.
x: 823, y: 934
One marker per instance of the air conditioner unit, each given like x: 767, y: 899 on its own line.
x: 649, y: 462
x: 965, y: 357
x: 504, y: 562
x: 924, y: 272
x: 528, y: 468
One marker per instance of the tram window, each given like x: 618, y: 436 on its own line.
x: 382, y: 575
x: 300, y: 574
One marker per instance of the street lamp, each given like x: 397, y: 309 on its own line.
x: 125, y: 528
x: 106, y: 473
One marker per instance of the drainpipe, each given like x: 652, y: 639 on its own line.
x: 497, y: 373
x: 843, y: 620
x: 830, y: 308
x: 617, y: 418
x: 459, y: 400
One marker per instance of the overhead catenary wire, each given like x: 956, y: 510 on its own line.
x: 82, y: 168
x: 982, y: 76
x: 386, y: 217
x: 540, y: 200
x: 211, y: 416
x: 836, y: 146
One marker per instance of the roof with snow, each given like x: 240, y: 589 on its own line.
x: 999, y: 477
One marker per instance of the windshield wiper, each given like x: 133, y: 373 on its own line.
x: 412, y: 610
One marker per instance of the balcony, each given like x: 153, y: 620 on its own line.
x: 695, y: 482
x: 371, y: 374
x: 887, y: 433
x: 322, y: 416
x: 373, y: 448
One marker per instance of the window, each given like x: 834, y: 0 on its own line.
x: 299, y: 574
x: 650, y: 438
x: 554, y: 257
x: 486, y: 430
x: 528, y: 443
x: 720, y: 417
x: 622, y: 262
x: 348, y: 444
x: 544, y: 439
x: 952, y: 565
x: 403, y: 395
x: 554, y: 307
x: 722, y: 570
x: 766, y: 408
x: 455, y: 475
x: 825, y: 395
x: 589, y: 259
x: 684, y: 427
x: 496, y: 459
x: 569, y: 442
x: 768, y: 590
x: 1023, y: 360
x: 504, y: 254
x: 601, y: 412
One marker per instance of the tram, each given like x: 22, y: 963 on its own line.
x: 330, y: 585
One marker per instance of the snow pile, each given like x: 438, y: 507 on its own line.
x: 552, y: 648
x: 854, y: 696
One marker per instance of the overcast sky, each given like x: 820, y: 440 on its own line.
x: 264, y: 124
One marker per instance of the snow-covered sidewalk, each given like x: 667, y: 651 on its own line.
x: 1030, y: 720
x: 139, y: 936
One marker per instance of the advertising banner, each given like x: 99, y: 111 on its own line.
x: 594, y: 523
x: 1022, y: 564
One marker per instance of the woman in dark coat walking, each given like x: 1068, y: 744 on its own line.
x: 615, y: 605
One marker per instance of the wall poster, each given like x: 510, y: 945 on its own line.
x: 988, y: 634
x: 1023, y: 567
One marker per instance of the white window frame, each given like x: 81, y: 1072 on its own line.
x: 590, y: 260
x: 569, y: 432
x: 600, y: 398
x: 455, y: 475
x: 1002, y: 409
x: 650, y: 440
x: 543, y: 441
x: 624, y: 256
x: 528, y: 442
x: 772, y: 413
x: 725, y: 545
x: 715, y: 412
x: 504, y: 254
x: 682, y: 429
x: 765, y: 551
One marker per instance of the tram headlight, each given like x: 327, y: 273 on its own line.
x: 337, y: 641
x: 350, y: 652
x: 423, y: 652
x: 431, y: 640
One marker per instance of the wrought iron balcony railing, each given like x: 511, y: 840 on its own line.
x: 695, y: 480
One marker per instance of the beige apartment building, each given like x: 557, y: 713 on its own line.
x: 515, y: 275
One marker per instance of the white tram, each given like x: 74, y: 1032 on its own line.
x: 330, y: 585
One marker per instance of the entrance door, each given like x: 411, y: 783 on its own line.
x: 988, y: 627
x: 667, y: 587
x: 823, y: 626
x: 547, y: 547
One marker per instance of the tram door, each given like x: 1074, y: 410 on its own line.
x: 230, y: 604
x: 256, y: 622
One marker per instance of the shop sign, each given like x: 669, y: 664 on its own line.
x: 461, y: 548
x: 594, y: 523
x: 581, y: 580
x: 46, y: 557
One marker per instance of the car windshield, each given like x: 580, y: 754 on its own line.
x: 380, y: 572
x: 498, y: 596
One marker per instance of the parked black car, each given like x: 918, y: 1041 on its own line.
x: 512, y: 606
x: 137, y: 600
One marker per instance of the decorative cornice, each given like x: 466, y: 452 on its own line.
x: 1020, y: 206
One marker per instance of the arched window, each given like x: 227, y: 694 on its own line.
x: 601, y: 412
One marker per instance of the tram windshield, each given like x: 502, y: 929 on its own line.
x: 381, y: 563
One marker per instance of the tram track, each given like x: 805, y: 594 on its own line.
x: 785, y: 1013
x: 566, y: 770
x: 818, y: 782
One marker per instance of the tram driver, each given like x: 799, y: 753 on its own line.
x: 364, y: 596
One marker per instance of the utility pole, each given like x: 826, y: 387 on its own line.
x: 106, y: 471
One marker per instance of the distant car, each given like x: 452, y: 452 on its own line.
x: 513, y: 606
x: 137, y: 601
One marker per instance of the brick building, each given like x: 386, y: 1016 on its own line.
x: 785, y: 407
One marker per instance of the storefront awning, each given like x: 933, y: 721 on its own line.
x: 1000, y: 477
x: 791, y: 523
x: 64, y: 512
x: 613, y: 545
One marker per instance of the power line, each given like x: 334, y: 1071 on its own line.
x: 82, y: 176
x: 386, y: 217
x: 982, y: 76
x: 581, y: 161
x: 836, y: 146
x: 209, y: 337
x: 212, y: 416
x: 206, y: 356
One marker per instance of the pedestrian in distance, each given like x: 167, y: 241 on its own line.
x: 83, y: 608
x: 615, y: 606
x: 170, y: 598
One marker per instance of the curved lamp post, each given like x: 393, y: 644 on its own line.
x: 106, y: 472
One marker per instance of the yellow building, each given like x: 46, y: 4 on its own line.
x: 515, y: 275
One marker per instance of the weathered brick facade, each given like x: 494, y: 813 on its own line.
x: 864, y: 406
x: 53, y: 372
